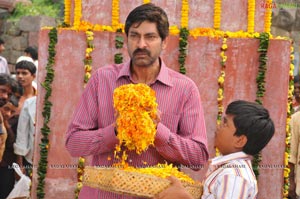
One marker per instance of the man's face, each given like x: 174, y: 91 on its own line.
x: 144, y: 44
x: 2, y: 48
x: 5, y: 92
x: 297, y: 91
x: 8, y: 110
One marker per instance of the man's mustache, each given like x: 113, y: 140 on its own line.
x: 138, y: 50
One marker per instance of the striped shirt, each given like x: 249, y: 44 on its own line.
x: 181, y: 134
x: 230, y: 177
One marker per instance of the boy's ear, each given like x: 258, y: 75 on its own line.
x: 240, y: 141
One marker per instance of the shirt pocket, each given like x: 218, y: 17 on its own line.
x: 171, y: 121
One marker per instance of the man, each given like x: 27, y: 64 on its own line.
x: 26, y: 73
x: 3, y: 61
x: 181, y: 134
x: 296, y: 97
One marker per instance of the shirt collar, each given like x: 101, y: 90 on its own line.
x: 163, y: 75
x: 226, y: 158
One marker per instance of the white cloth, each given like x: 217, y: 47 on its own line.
x: 25, y: 132
x: 4, y: 66
x: 230, y: 176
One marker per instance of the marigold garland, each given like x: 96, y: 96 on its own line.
x: 45, y: 130
x: 146, y: 1
x: 77, y: 14
x: 184, y: 13
x: 67, y: 12
x: 251, y: 15
x: 137, y: 107
x: 217, y: 14
x: 115, y: 14
x: 286, y: 171
x: 88, y: 58
x: 268, y: 16
x: 221, y: 80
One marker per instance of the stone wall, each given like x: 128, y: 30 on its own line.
x: 20, y: 34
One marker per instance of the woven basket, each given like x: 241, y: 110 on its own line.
x: 131, y: 183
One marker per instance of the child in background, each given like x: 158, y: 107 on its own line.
x: 245, y: 130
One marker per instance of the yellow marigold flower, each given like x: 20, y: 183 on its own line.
x: 79, y: 185
x: 137, y: 108
x: 163, y: 171
x: 224, y: 47
x: 81, y: 160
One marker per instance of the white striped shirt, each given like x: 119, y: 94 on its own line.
x: 230, y: 177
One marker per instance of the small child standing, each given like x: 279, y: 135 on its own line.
x: 245, y: 130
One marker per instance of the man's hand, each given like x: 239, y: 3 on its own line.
x: 176, y: 190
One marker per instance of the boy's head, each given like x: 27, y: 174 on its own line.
x: 10, y: 108
x: 25, y: 71
x: 246, y: 127
x: 31, y: 52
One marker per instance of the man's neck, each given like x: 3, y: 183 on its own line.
x: 146, y: 75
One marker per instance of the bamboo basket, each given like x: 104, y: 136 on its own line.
x: 131, y: 183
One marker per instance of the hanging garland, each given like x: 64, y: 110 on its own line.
x: 77, y: 14
x: 286, y: 172
x: 45, y: 130
x: 251, y: 15
x: 260, y: 81
x: 268, y: 16
x: 183, y: 36
x: 67, y: 12
x: 88, y: 58
x: 119, y: 42
x: 217, y: 14
x: 221, y: 81
x: 184, y: 13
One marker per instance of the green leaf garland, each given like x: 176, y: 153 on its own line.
x: 45, y: 130
x: 183, y: 42
x: 260, y: 81
x: 119, y: 42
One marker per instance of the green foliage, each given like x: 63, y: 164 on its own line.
x: 37, y: 7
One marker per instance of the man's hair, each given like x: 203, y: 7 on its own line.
x: 296, y: 79
x: 253, y: 121
x: 26, y: 65
x: 5, y: 79
x: 149, y: 12
x: 1, y: 41
x: 32, y: 51
x: 14, y: 100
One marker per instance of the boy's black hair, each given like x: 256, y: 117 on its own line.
x: 1, y: 41
x: 253, y: 121
x: 32, y: 51
x: 149, y: 12
x: 26, y: 65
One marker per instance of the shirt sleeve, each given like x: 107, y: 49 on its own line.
x: 21, y: 146
x: 84, y: 136
x: 188, y: 146
x: 295, y: 130
x: 232, y: 186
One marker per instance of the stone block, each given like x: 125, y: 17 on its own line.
x: 35, y: 23
x: 19, y: 43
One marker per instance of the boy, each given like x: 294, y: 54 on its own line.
x: 245, y: 130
